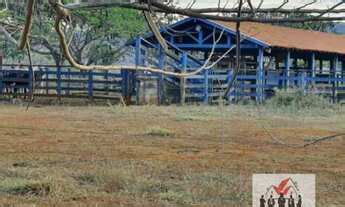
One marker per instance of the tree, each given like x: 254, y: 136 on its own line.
x: 321, y: 26
x: 100, y: 33
x: 90, y: 42
x: 242, y: 10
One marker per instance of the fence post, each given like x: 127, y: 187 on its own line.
x: 313, y: 66
x: 124, y: 83
x: 58, y: 84
x: 303, y: 82
x: 1, y: 84
x: 334, y: 67
x: 31, y: 77
x: 47, y: 80
x: 106, y: 77
x: 343, y: 72
x: 287, y: 69
x: 230, y: 94
x: 162, y: 59
x: 260, y: 76
x: 90, y: 85
x: 131, y: 81
x: 206, y: 95
x: 183, y: 79
x: 68, y: 81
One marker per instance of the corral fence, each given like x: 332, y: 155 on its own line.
x: 211, y: 85
x: 16, y: 80
x: 207, y: 87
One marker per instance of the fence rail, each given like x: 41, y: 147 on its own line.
x: 61, y: 82
x: 247, y: 85
x: 206, y: 86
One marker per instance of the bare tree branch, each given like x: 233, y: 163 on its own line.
x: 260, y: 4
x: 306, y: 5
x: 7, y: 35
x: 155, y: 30
x: 283, y: 4
x: 191, y: 13
x: 28, y: 24
x: 207, y: 12
x: 238, y: 52
x: 330, y: 9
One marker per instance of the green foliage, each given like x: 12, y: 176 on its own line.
x: 4, y: 14
x: 101, y: 53
x: 313, y: 25
x: 298, y: 100
x: 116, y: 22
x: 90, y: 26
x: 11, y: 52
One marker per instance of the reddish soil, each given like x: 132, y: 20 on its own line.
x: 64, y: 138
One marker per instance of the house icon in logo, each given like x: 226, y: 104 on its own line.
x: 286, y: 187
x: 283, y: 190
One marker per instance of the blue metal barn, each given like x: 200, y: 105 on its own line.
x: 271, y: 57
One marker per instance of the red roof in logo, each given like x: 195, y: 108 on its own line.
x: 282, y: 187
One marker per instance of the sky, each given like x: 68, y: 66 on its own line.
x: 268, y: 3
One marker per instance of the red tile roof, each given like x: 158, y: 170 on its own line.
x: 290, y: 38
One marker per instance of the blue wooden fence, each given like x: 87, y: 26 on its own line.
x: 62, y: 82
x: 204, y: 87
x: 247, y: 85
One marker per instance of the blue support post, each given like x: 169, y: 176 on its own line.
x: 343, y: 71
x: 230, y: 94
x: 321, y: 66
x: 124, y: 83
x: 106, y: 77
x: 312, y: 66
x: 206, y: 79
x: 47, y: 80
x: 138, y: 54
x: 182, y: 79
x: 287, y: 69
x: 200, y: 36
x: 303, y: 81
x: 69, y: 81
x: 228, y: 40
x: 90, y: 84
x: 1, y: 77
x: 334, y: 68
x: 131, y: 76
x: 1, y: 83
x: 58, y: 84
x: 260, y: 77
x: 162, y: 59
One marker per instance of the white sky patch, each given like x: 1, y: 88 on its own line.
x: 321, y: 4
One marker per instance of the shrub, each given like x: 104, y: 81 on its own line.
x: 297, y: 99
x: 159, y: 132
x: 25, y: 187
x: 108, y: 180
x: 178, y: 197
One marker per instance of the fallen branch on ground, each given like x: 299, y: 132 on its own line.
x: 316, y: 141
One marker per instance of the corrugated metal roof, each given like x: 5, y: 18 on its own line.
x: 290, y: 38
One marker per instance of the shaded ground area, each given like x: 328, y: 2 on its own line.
x: 160, y: 156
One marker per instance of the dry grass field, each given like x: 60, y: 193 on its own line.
x: 161, y: 156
